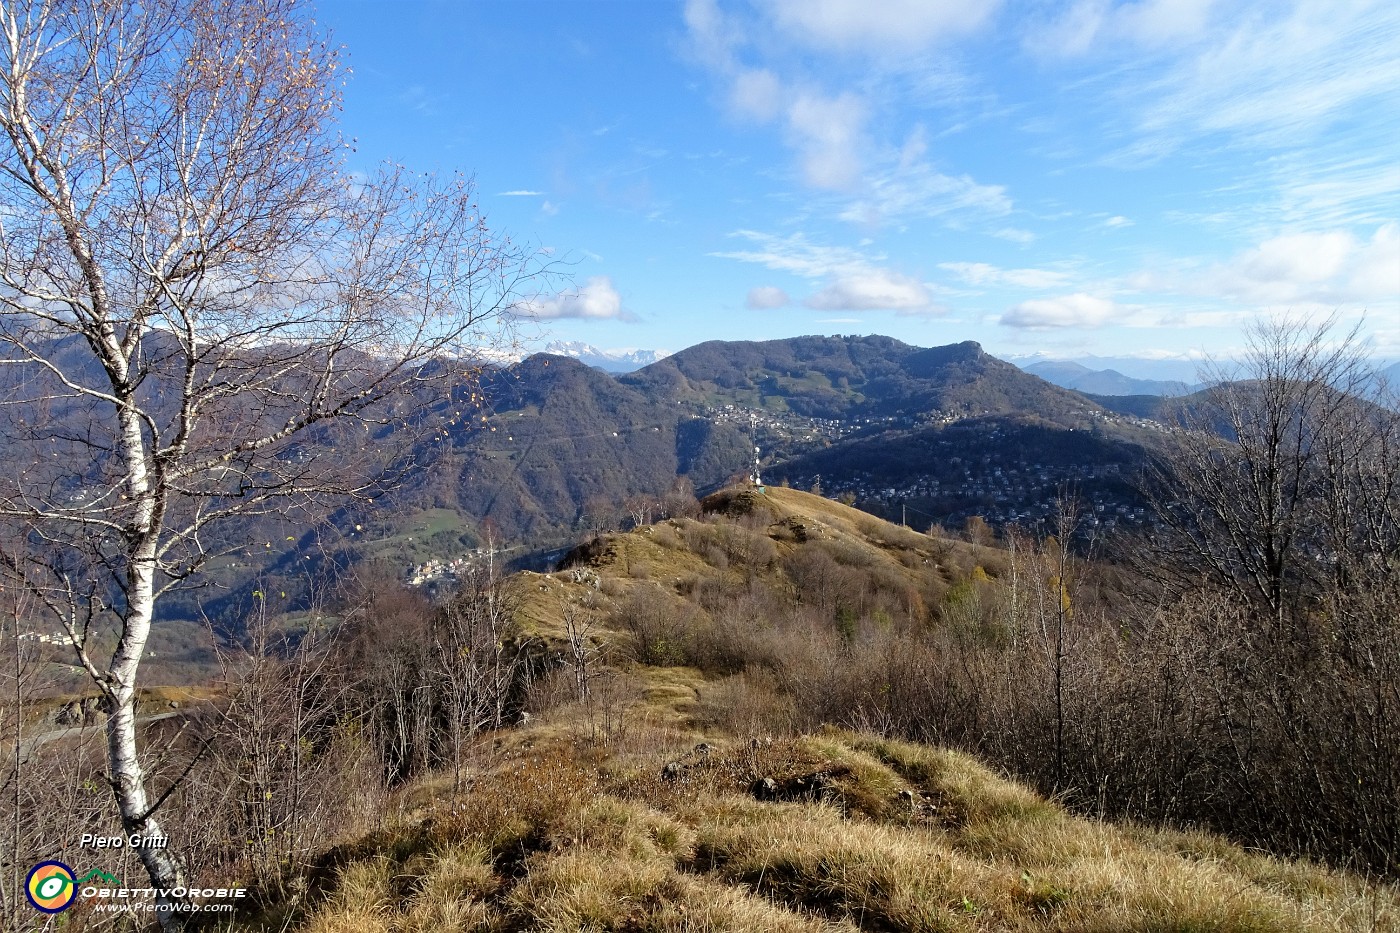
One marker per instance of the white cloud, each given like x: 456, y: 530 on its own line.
x: 1296, y: 258
x: 1323, y: 268
x: 1374, y: 273
x: 1156, y: 354
x: 878, y: 27
x: 757, y: 94
x: 712, y: 36
x: 519, y: 193
x: 1015, y: 235
x: 827, y: 132
x: 1077, y: 310
x: 872, y: 290
x: 765, y: 297
x: 1118, y: 221
x: 981, y: 273
x: 597, y: 299
x: 1333, y: 266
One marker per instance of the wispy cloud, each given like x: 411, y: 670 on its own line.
x: 1081, y: 27
x: 1015, y: 235
x: 853, y: 280
x: 877, y: 28
x: 420, y: 100
x: 798, y: 255
x: 520, y: 193
x: 918, y: 190
x: 981, y: 273
x: 1288, y: 108
x: 1263, y: 76
x: 1344, y: 183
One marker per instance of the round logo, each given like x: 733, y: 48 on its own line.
x: 51, y: 887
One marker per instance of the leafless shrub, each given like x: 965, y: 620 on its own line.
x: 277, y: 772
x: 658, y: 624
x: 608, y: 709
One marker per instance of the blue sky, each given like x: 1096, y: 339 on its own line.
x: 1088, y: 177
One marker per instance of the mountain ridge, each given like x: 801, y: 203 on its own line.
x: 540, y: 451
x: 1076, y: 376
x: 620, y: 360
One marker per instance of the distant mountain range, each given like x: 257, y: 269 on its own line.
x: 1156, y: 370
x: 623, y: 360
x: 1081, y: 378
x: 1099, y: 376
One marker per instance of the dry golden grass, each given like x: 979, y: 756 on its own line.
x: 896, y: 837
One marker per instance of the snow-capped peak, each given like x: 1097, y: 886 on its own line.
x: 617, y: 360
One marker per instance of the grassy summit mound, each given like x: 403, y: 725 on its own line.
x: 860, y: 834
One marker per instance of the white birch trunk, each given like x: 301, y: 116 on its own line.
x: 128, y: 777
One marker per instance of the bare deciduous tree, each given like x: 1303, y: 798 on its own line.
x: 579, y: 634
x: 481, y: 659
x: 1282, y: 478
x: 193, y: 291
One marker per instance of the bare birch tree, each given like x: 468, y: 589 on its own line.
x: 194, y: 291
